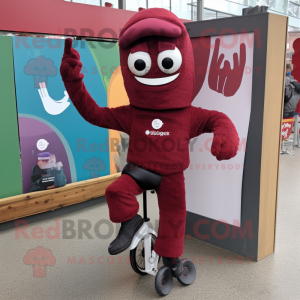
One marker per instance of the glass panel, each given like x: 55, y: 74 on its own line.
x: 182, y: 9
x: 159, y: 3
x: 209, y: 14
x: 245, y: 2
x: 194, y: 12
x: 222, y: 15
x: 276, y: 5
x: 239, y: 1
x: 293, y: 10
x: 135, y: 4
x: 292, y: 28
x: 264, y: 2
x: 251, y: 2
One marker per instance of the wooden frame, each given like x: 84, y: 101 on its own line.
x: 24, y: 205
x: 271, y: 155
x: 260, y: 176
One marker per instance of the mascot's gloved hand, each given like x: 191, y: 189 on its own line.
x: 225, y: 146
x: 70, y: 64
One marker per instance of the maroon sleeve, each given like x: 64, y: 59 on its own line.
x: 203, y: 120
x: 118, y: 118
x: 226, y: 140
x: 113, y: 118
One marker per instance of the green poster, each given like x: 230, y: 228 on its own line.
x: 10, y: 170
x: 105, y: 64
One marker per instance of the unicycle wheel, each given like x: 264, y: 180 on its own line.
x: 137, y: 256
x: 189, y: 273
x: 164, y: 281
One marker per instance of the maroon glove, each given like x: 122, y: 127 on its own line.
x: 70, y: 64
x: 225, y: 146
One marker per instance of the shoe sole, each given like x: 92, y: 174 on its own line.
x: 137, y: 227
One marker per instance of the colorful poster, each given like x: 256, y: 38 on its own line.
x: 224, y: 70
x: 48, y: 121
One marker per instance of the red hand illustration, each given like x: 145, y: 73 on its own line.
x: 226, y: 80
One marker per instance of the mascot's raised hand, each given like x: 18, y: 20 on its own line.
x: 70, y: 64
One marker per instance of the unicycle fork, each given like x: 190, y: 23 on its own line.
x: 143, y: 258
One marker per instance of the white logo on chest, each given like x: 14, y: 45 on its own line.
x: 157, y: 123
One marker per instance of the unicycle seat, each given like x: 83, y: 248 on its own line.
x: 147, y: 180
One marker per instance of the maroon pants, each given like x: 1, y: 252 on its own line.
x: 122, y: 204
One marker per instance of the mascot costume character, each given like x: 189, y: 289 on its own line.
x: 157, y: 65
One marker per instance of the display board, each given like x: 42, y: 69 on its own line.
x: 240, y: 67
x: 49, y: 124
x: 227, y: 66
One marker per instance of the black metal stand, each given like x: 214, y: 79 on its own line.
x: 146, y: 219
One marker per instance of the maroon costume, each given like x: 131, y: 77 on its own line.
x: 164, y: 149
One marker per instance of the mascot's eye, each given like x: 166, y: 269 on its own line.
x: 139, y: 63
x: 169, y: 61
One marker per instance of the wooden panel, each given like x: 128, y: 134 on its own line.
x: 274, y: 87
x: 20, y: 206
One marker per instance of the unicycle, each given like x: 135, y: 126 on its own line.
x: 143, y: 259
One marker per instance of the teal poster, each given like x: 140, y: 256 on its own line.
x: 52, y: 133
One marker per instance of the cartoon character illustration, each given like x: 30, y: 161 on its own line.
x: 37, y: 137
x: 47, y: 173
x: 94, y: 165
x: 157, y: 64
x: 40, y: 68
x: 51, y: 106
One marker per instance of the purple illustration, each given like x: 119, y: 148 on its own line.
x: 31, y: 132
